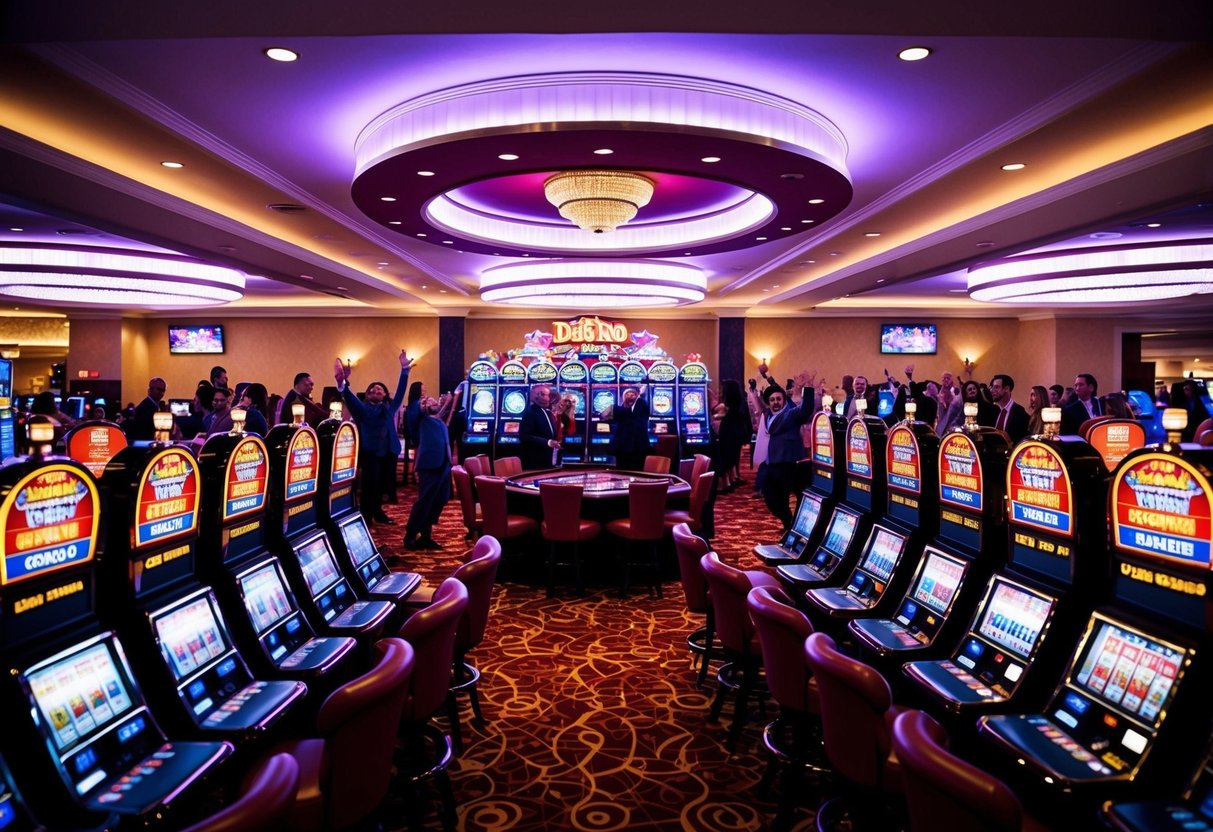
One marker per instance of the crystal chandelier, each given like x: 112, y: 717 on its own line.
x: 598, y: 200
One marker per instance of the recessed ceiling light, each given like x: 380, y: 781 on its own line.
x: 603, y: 151
x: 766, y: 290
x: 507, y: 157
x: 16, y: 229
x: 382, y: 263
x: 914, y: 53
x: 806, y: 222
x: 443, y: 291
x: 422, y: 234
x: 425, y: 173
x: 1014, y: 166
x: 686, y: 254
x: 774, y: 285
x: 1154, y: 225
x: 871, y: 234
x: 387, y: 199
x: 423, y: 286
x: 395, y: 222
x: 760, y: 238
x: 278, y: 53
x: 710, y: 159
x: 786, y: 228
x: 816, y: 201
x: 306, y: 277
x: 835, y: 253
x: 880, y: 280
x: 448, y: 242
x: 173, y: 165
x: 343, y: 288
x: 984, y: 244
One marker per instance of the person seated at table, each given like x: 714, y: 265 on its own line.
x: 537, y: 431
x: 631, y: 441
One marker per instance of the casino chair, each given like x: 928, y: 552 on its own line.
x: 945, y: 792
x: 702, y: 463
x: 497, y: 519
x: 644, y: 524
x: 728, y: 587
x: 269, y: 791
x: 426, y: 751
x: 472, y: 520
x: 667, y: 446
x: 1204, y: 432
x: 345, y: 773
x: 1084, y: 429
x: 477, y: 467
x: 701, y: 489
x: 656, y: 464
x: 793, y: 739
x: 507, y: 466
x: 857, y: 714
x: 689, y: 548
x: 477, y: 575
x: 563, y: 525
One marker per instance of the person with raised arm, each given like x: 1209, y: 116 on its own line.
x: 379, y: 445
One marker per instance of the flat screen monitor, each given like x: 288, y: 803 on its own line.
x: 806, y: 514
x: 318, y: 564
x: 190, y: 636
x: 937, y: 583
x: 74, y: 407
x: 195, y: 340
x: 603, y: 427
x: 358, y: 540
x: 1014, y: 617
x: 80, y: 693
x: 694, y: 402
x: 480, y: 426
x: 691, y: 427
x: 179, y: 407
x: 603, y: 399
x: 883, y: 553
x: 1128, y: 669
x: 909, y: 339
x: 842, y: 530
x: 661, y: 427
x: 265, y: 596
x: 511, y: 427
x: 483, y: 402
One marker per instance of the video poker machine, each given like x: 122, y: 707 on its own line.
x: 481, y: 404
x: 663, y: 400
x: 1130, y: 715
x: 340, y: 518
x: 13, y: 816
x: 694, y: 415
x: 573, y: 380
x: 171, y: 623
x: 8, y: 422
x: 94, y: 443
x: 250, y: 581
x: 604, y: 394
x: 513, y: 396
x: 81, y: 744
x: 293, y: 531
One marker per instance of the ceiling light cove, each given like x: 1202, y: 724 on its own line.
x: 590, y: 284
x: 660, y: 129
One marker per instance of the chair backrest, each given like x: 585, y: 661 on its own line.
x: 561, y: 510
x: 942, y: 790
x: 508, y: 466
x: 431, y: 632
x: 268, y: 793
x: 1204, y: 432
x: 700, y: 489
x: 782, y: 630
x: 358, y: 749
x: 690, y: 548
x: 667, y: 446
x: 655, y: 464
x: 854, y: 700
x: 685, y: 467
x: 646, y: 508
x: 702, y: 463
x: 467, y: 498
x: 477, y: 575
x: 728, y: 587
x: 474, y: 465
x: 493, y: 511
x: 1086, y: 426
x: 486, y: 463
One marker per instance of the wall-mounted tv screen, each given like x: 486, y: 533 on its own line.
x: 195, y: 340
x: 910, y: 339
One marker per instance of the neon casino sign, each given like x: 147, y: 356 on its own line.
x: 589, y: 331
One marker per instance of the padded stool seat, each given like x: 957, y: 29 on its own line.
x: 585, y: 529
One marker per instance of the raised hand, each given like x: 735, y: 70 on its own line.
x: 340, y: 373
x: 405, y: 361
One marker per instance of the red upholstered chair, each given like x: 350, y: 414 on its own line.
x: 857, y: 713
x: 477, y: 466
x: 685, y: 467
x: 268, y: 793
x: 477, y: 575
x: 667, y: 446
x: 563, y: 524
x: 690, y: 548
x: 1085, y: 427
x: 728, y: 587
x: 344, y: 774
x: 426, y: 751
x: 497, y: 520
x: 945, y: 792
x: 1204, y: 432
x: 644, y: 524
x: 702, y: 463
x: 472, y: 520
x: 507, y: 466
x: 701, y: 489
x: 656, y: 464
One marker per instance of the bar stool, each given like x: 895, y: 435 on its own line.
x: 477, y: 575
x: 507, y: 466
x: 656, y: 464
x: 472, y: 521
x: 497, y: 521
x: 563, y: 524
x: 690, y: 548
x: 701, y: 488
x: 644, y: 524
x: 269, y: 791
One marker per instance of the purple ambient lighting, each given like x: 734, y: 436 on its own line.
x: 593, y: 284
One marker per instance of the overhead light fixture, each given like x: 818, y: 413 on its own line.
x: 1104, y: 274
x: 99, y: 276
x: 172, y: 165
x: 280, y: 54
x: 914, y: 53
x: 598, y: 200
x: 1014, y: 166
x: 593, y: 284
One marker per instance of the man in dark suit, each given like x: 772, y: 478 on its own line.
x: 784, y: 449
x: 141, y: 426
x: 537, y: 431
x: 1085, y: 405
x: 1011, y: 416
x: 631, y: 442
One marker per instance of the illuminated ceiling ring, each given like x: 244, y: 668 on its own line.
x: 593, y: 284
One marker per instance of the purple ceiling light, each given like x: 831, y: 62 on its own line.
x: 593, y: 284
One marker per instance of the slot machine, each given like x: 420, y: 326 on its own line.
x: 80, y: 740
x: 13, y: 815
x: 694, y: 415
x: 1190, y: 810
x: 481, y: 404
x: 1033, y: 607
x: 1130, y: 714
x: 8, y: 422
x: 513, y: 396
x: 604, y: 394
x: 663, y: 406
x: 1115, y: 438
x: 170, y: 623
x: 93, y: 444
x: 270, y: 628
x: 347, y: 531
x: 293, y: 531
x: 573, y: 380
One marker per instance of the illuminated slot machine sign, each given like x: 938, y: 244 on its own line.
x: 693, y: 412
x: 1041, y: 503
x: 604, y: 393
x: 867, y: 583
x: 481, y: 404
x: 573, y: 379
x: 302, y: 471
x: 165, y: 524
x: 1116, y: 438
x: 829, y: 435
x: 663, y: 402
x: 960, y: 491
x: 865, y: 463
x: 911, y: 455
x: 342, y: 468
x: 514, y: 395
x: 244, y: 487
x: 94, y: 445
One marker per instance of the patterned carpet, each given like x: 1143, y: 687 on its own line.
x: 594, y: 721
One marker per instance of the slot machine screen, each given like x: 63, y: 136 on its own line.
x: 842, y: 529
x: 511, y: 427
x: 483, y: 403
x: 661, y: 427
x: 693, y: 403
x: 1128, y: 670
x: 578, y: 401
x: 603, y: 427
x: 358, y: 541
x: 80, y: 694
x: 940, y: 578
x: 603, y: 399
x: 265, y: 597
x: 883, y: 554
x: 479, y: 426
x: 1014, y: 617
x: 318, y: 564
x: 514, y: 402
x: 190, y: 636
x: 806, y: 514
x: 691, y: 427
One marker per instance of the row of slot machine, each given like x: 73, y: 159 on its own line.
x: 497, y: 398
x: 164, y: 609
x: 1048, y: 601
